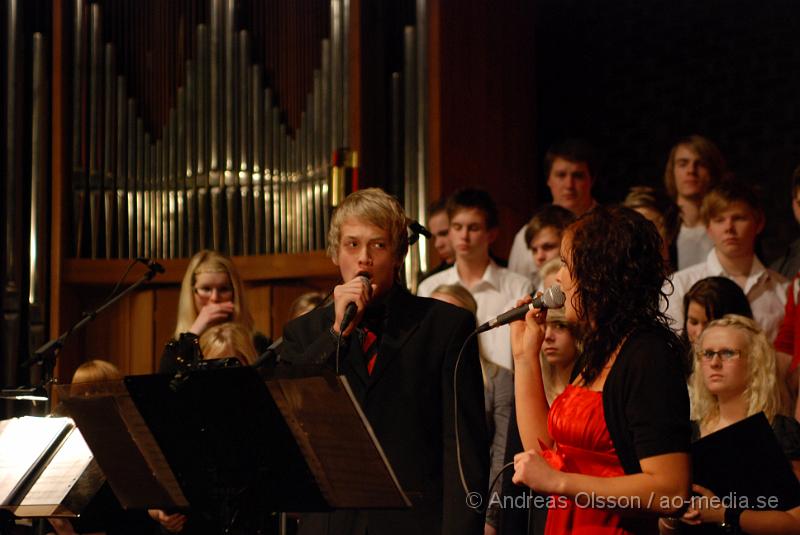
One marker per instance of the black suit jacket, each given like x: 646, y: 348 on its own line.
x: 408, y: 400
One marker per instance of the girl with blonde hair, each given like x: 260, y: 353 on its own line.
x: 736, y: 377
x: 212, y: 293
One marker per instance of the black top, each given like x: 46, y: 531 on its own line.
x: 187, y: 346
x: 645, y: 399
x: 786, y: 430
x: 409, y: 401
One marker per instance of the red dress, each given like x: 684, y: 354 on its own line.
x: 583, y: 445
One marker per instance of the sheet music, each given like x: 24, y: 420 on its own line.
x: 22, y: 443
x: 62, y: 473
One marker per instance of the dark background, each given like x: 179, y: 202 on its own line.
x: 635, y: 76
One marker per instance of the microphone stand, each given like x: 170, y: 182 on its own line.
x: 271, y: 356
x: 47, y: 354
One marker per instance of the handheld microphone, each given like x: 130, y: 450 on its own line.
x: 553, y: 297
x: 352, y: 308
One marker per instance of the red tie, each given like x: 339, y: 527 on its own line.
x: 370, y: 348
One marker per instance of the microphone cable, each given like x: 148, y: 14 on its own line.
x: 461, y: 476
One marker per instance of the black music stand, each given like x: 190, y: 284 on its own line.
x: 222, y: 435
x: 744, y: 462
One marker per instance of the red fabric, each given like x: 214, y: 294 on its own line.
x: 370, y: 349
x: 583, y: 445
x: 788, y: 338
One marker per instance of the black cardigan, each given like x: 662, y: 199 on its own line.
x: 645, y: 399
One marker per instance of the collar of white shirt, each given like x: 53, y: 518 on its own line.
x: 491, y: 277
x: 757, y: 270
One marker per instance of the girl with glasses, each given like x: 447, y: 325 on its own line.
x: 212, y: 293
x: 735, y: 377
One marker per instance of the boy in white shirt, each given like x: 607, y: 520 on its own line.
x: 473, y: 228
x: 733, y: 218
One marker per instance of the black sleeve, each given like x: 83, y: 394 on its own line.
x: 187, y: 346
x: 472, y: 435
x: 695, y: 430
x: 787, y: 430
x: 656, y: 397
x: 308, y: 340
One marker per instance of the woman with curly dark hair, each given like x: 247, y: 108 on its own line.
x: 614, y: 444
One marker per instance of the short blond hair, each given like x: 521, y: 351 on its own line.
x: 726, y: 193
x: 458, y: 292
x: 305, y: 303
x: 763, y: 390
x: 208, y: 261
x: 376, y: 207
x: 92, y: 378
x: 230, y: 334
x: 95, y: 371
x: 550, y: 267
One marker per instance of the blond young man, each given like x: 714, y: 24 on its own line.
x: 399, y: 355
x: 733, y: 219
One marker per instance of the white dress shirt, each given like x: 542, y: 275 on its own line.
x: 520, y: 259
x: 765, y: 290
x: 496, y: 292
x: 693, y: 245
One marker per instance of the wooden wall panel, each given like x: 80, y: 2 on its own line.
x: 106, y: 337
x: 123, y: 334
x: 284, y: 295
x: 142, y: 358
x: 258, y: 301
x: 165, y: 313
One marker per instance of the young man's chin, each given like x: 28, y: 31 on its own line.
x: 736, y: 252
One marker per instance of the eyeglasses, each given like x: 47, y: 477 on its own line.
x: 724, y: 354
x: 206, y: 291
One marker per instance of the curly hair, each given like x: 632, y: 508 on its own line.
x: 762, y: 392
x: 619, y: 272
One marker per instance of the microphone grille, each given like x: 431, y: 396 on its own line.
x: 553, y: 297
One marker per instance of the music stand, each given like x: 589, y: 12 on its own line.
x: 222, y: 434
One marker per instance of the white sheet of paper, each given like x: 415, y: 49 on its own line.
x: 22, y: 442
x: 62, y: 473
